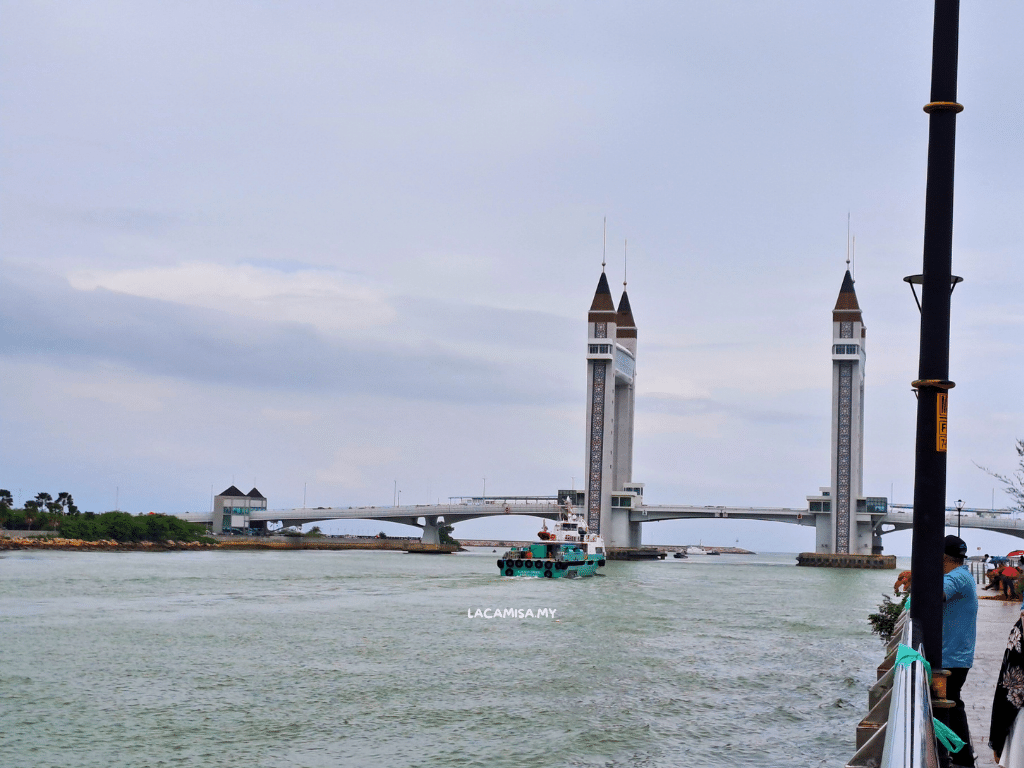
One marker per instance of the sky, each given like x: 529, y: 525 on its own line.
x: 341, y: 249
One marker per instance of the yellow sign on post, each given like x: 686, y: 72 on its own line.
x: 941, y: 421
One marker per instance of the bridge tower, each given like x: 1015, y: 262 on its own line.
x: 611, y: 372
x: 847, y: 528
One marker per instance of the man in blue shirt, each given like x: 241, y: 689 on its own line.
x: 959, y: 630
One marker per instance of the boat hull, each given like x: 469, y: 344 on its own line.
x: 547, y: 569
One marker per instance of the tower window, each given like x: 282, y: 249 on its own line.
x: 600, y: 349
x: 845, y: 349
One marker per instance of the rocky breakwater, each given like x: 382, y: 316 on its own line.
x: 101, y: 545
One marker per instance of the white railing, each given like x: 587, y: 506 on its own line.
x: 898, y: 731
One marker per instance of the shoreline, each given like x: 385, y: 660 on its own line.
x: 16, y: 540
x: 49, y: 542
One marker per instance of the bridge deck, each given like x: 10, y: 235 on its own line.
x: 457, y: 512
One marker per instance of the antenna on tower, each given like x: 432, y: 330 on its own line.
x: 847, y: 239
x: 625, y: 255
x: 604, y: 245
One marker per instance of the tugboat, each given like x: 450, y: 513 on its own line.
x: 569, y: 551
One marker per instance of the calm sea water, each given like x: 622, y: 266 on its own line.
x: 368, y: 659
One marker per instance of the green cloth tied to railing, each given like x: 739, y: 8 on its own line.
x: 905, y: 656
x: 944, y: 733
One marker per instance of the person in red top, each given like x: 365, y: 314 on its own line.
x: 1008, y: 579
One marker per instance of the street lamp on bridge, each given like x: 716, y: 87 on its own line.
x: 959, y: 506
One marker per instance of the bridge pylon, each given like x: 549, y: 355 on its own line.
x: 611, y: 395
x: 846, y: 521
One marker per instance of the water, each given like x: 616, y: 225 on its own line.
x: 368, y: 659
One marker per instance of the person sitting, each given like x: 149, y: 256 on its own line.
x: 993, y: 578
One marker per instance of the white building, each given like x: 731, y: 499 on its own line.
x: 232, y: 508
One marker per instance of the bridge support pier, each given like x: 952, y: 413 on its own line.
x: 823, y: 533
x: 635, y: 535
x: 431, y: 530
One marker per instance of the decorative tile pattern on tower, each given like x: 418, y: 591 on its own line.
x: 600, y: 330
x: 842, y: 511
x: 596, y: 449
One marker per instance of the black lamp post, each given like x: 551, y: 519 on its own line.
x: 933, y: 384
x: 959, y: 506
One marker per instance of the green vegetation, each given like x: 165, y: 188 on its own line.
x: 39, y: 514
x: 60, y: 515
x: 121, y: 526
x: 445, y: 532
x: 883, y: 623
x: 314, y: 532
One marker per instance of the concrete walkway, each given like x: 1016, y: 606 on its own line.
x: 994, y: 621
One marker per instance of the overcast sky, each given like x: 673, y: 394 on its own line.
x: 333, y: 246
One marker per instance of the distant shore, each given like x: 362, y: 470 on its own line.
x: 101, y: 545
x: 45, y: 540
x: 12, y: 540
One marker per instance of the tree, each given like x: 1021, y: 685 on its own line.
x: 6, y: 500
x: 31, y: 513
x: 1013, y: 484
x: 445, y: 534
x: 65, y: 505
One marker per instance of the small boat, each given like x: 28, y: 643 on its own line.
x: 680, y: 555
x: 699, y: 550
x: 567, y: 552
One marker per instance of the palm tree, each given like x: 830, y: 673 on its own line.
x: 66, y: 504
x: 31, y: 510
x: 6, y: 499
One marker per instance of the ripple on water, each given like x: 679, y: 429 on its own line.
x: 361, y: 658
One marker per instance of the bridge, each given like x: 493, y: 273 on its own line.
x: 845, y: 521
x: 430, y: 517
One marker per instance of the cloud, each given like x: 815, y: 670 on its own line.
x: 350, y: 464
x: 44, y: 317
x: 329, y: 301
x: 684, y: 408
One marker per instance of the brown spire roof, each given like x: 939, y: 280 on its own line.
x: 847, y: 307
x: 231, y: 491
x: 602, y: 297
x: 625, y: 324
x: 602, y: 309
